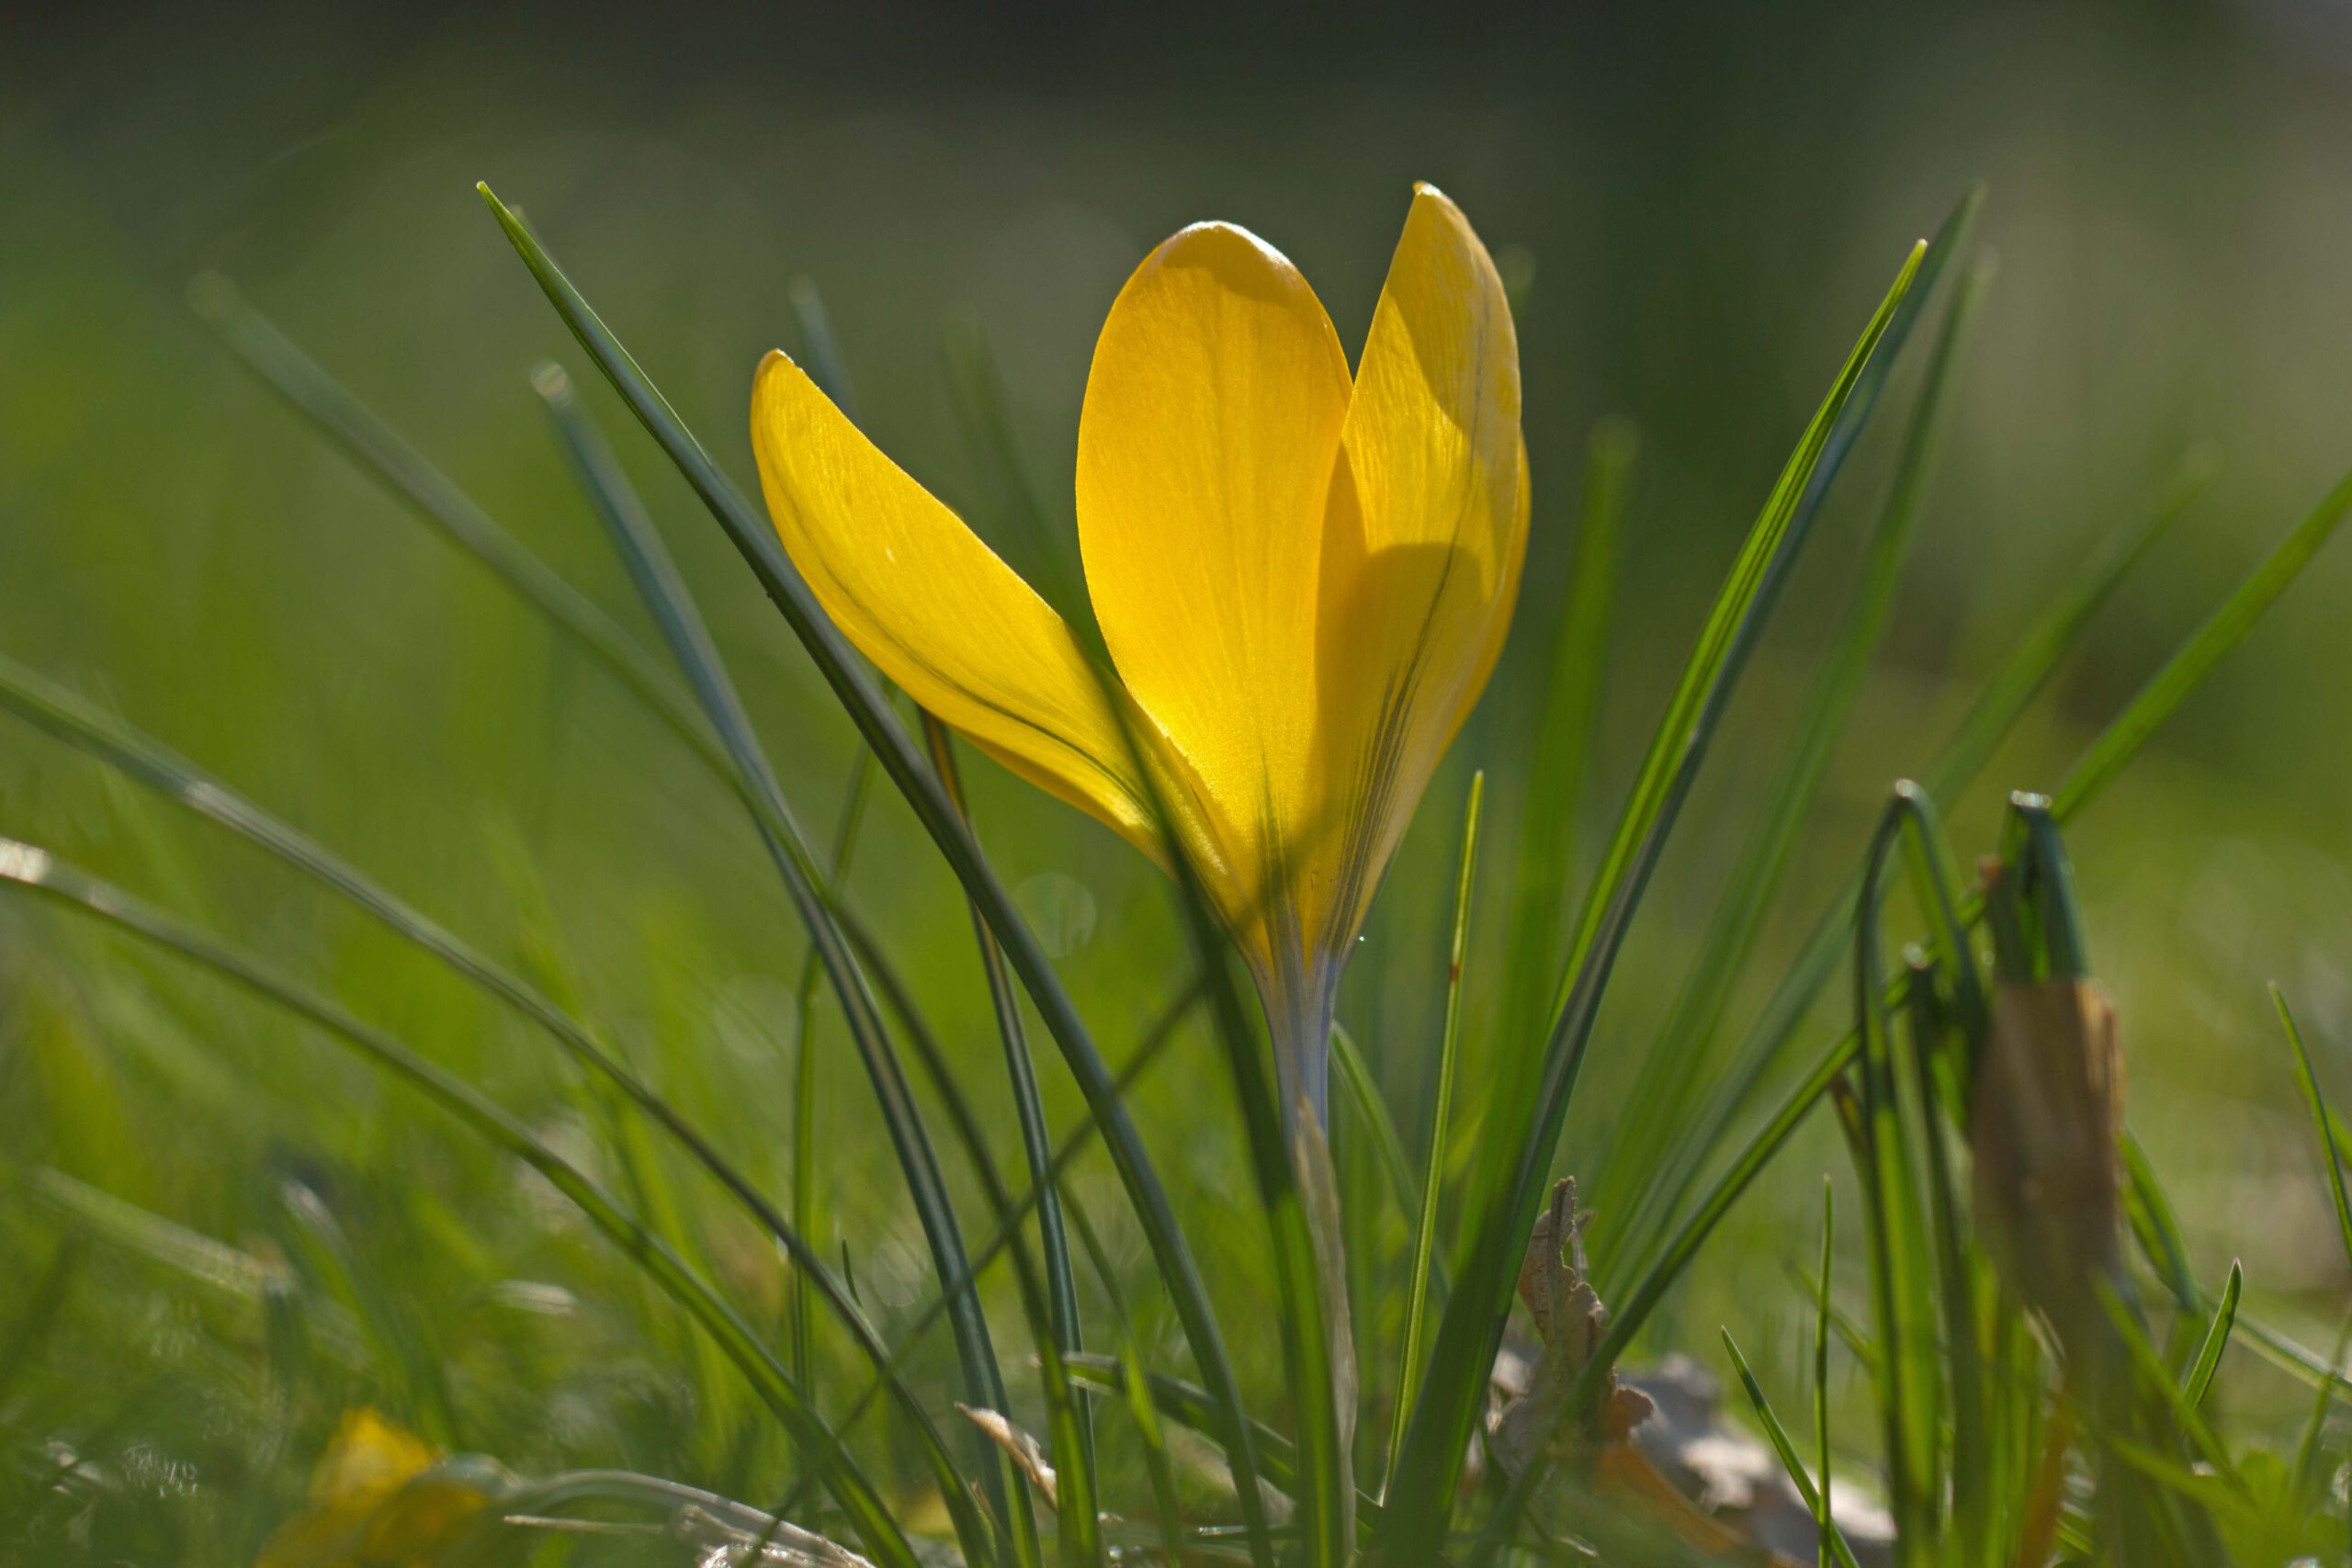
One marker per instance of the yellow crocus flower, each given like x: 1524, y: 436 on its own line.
x: 1302, y: 578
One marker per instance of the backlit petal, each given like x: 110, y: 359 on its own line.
x: 932, y: 606
x: 1204, y: 456
x: 1425, y: 536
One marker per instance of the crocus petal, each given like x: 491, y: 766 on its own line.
x: 1205, y: 450
x: 932, y: 606
x: 1422, y: 550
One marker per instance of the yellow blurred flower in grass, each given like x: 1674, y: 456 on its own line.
x: 379, y: 1499
x: 1303, y: 577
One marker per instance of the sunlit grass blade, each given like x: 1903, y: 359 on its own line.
x: 38, y: 872
x: 2006, y: 694
x: 665, y: 595
x: 862, y: 699
x: 1408, y: 1360
x: 76, y: 723
x: 1074, y: 1446
x: 1833, y: 1539
x: 1472, y: 1325
x: 2331, y: 1155
x: 2200, y: 1375
x: 1672, y: 1070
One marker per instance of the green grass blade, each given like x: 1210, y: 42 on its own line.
x: 2005, y: 695
x: 1833, y: 1539
x: 2114, y: 746
x: 912, y: 777
x: 38, y: 872
x: 1082, y: 1532
x: 1673, y: 1071
x: 665, y: 595
x: 1409, y: 1362
x: 2200, y: 1376
x: 1362, y: 1096
x: 2187, y: 669
x: 1471, y: 1326
x: 68, y: 718
x: 2331, y: 1155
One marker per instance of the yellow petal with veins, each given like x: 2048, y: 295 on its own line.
x: 1205, y: 455
x: 919, y: 595
x: 1422, y: 548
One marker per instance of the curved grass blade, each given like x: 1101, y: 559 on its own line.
x: 1471, y: 1327
x: 1440, y: 1116
x: 1833, y: 1539
x: 2307, y: 1082
x: 1672, y: 1071
x: 77, y: 724
x: 37, y: 870
x: 901, y: 759
x: 665, y: 594
x: 2200, y: 1376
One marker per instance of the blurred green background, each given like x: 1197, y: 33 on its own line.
x: 1704, y: 204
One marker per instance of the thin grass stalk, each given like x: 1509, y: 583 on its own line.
x: 1471, y: 1326
x: 665, y: 595
x: 1824, y: 1516
x: 1440, y: 1116
x: 914, y: 780
x: 38, y: 872
x: 1816, y: 1500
